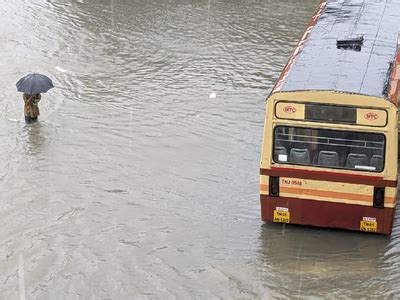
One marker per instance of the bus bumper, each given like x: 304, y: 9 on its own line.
x: 327, y: 214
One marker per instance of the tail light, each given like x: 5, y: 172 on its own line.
x: 379, y: 197
x: 274, y: 186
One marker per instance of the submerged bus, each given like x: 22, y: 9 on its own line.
x: 330, y: 140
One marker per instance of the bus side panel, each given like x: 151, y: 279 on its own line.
x: 327, y: 214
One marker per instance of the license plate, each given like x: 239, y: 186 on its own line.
x: 369, y: 226
x: 281, y: 216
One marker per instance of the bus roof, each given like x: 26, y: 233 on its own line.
x: 348, y: 46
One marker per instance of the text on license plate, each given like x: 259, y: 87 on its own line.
x: 281, y: 216
x: 369, y: 226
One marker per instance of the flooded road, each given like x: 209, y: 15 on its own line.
x: 141, y: 178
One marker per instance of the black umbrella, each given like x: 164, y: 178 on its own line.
x: 34, y: 83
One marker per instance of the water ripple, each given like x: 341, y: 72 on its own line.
x: 135, y: 174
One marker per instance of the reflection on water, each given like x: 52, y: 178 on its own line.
x: 136, y: 183
x: 300, y: 261
x: 34, y: 138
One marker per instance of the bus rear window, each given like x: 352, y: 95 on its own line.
x: 329, y: 148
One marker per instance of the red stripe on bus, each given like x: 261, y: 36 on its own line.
x: 329, y: 176
x: 299, y: 47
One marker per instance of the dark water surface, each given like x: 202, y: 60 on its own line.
x: 138, y: 183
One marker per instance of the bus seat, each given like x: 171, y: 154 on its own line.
x: 328, y: 158
x: 300, y: 156
x: 279, y: 150
x: 377, y: 162
x: 355, y: 159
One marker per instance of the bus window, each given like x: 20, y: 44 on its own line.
x: 329, y: 148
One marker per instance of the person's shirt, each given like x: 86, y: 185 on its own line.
x: 31, y: 108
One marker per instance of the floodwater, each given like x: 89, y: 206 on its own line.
x: 141, y: 179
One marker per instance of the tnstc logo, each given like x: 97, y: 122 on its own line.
x: 289, y: 109
x: 371, y: 116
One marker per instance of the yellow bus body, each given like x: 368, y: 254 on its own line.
x: 323, y: 196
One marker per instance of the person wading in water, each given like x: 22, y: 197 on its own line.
x: 31, y: 108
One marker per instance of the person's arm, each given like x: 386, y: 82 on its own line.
x: 28, y: 100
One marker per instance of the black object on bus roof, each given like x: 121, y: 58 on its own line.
x: 324, y: 62
x: 350, y: 43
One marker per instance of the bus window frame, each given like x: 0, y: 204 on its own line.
x: 324, y: 167
x: 330, y: 104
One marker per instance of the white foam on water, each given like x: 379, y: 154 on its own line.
x: 213, y: 95
x: 14, y: 120
x: 61, y: 69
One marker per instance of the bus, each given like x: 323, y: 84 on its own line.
x: 330, y: 139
